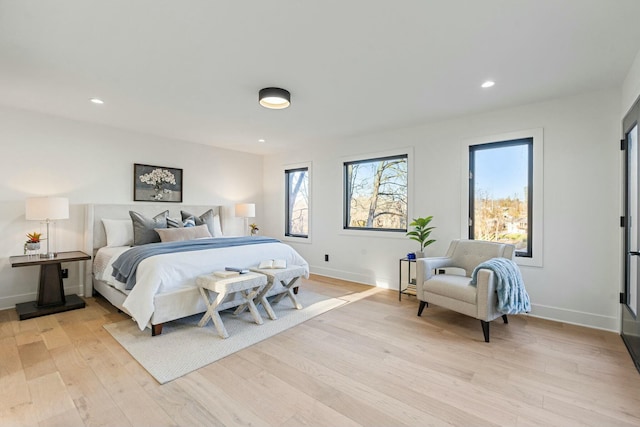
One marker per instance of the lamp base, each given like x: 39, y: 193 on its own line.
x: 49, y: 255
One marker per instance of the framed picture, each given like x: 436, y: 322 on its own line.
x: 156, y: 184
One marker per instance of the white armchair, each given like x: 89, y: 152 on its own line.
x: 454, y: 291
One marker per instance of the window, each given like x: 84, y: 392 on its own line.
x: 376, y: 194
x: 501, y: 193
x: 297, y: 202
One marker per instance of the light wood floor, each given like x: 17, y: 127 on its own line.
x: 372, y: 362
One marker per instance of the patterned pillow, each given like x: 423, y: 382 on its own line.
x: 209, y: 218
x: 177, y: 223
x: 143, y: 227
x: 190, y: 222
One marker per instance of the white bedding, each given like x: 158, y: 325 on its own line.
x: 168, y: 272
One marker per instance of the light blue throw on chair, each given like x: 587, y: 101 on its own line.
x: 512, y: 296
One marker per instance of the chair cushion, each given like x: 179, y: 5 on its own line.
x: 467, y: 254
x: 452, y: 286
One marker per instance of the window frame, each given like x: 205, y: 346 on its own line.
x: 473, y: 149
x: 297, y: 237
x: 537, y: 223
x: 346, y: 205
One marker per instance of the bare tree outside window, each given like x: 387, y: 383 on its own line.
x: 376, y: 194
x: 297, y: 195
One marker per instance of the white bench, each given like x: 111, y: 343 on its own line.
x: 287, y: 277
x: 246, y: 286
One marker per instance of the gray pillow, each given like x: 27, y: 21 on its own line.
x: 207, y: 218
x: 143, y: 227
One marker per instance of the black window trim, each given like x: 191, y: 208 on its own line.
x: 287, y: 220
x: 528, y: 141
x: 347, y: 194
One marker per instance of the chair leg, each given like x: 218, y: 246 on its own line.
x: 423, y: 304
x: 485, y: 330
x: 504, y: 318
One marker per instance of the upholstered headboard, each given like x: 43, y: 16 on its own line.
x: 95, y: 236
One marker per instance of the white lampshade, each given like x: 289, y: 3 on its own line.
x: 46, y: 208
x: 246, y: 210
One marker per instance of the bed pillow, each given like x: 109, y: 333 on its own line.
x: 119, y: 232
x: 211, y: 220
x: 177, y: 223
x: 183, y: 233
x: 144, y: 228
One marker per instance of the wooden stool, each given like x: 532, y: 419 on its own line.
x: 245, y: 285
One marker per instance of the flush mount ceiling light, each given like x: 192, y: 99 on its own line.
x: 97, y: 101
x: 488, y: 84
x: 274, y: 98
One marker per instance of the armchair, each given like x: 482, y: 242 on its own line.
x: 454, y: 291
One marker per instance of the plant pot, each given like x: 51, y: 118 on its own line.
x: 31, y: 246
x: 419, y: 254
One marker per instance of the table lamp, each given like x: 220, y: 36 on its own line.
x: 246, y: 210
x: 47, y: 209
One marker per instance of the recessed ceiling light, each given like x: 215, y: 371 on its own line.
x: 488, y: 83
x: 261, y: 140
x: 96, y: 101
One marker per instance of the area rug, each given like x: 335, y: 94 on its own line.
x: 184, y: 347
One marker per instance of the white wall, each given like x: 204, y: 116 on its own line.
x: 43, y: 155
x: 631, y: 86
x: 579, y: 281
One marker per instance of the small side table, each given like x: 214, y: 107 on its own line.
x: 51, y: 297
x: 410, y: 286
x: 247, y: 285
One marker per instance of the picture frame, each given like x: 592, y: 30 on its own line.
x: 156, y: 184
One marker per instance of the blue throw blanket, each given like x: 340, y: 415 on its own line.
x: 512, y: 296
x: 125, y: 267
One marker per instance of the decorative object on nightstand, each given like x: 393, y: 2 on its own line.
x: 246, y: 211
x: 421, y: 233
x: 47, y: 209
x: 32, y: 244
x: 51, y: 298
x: 254, y: 228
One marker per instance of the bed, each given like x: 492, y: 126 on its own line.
x: 165, y: 288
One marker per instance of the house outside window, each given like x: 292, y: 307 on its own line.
x: 376, y: 194
x: 297, y: 202
x: 501, y: 193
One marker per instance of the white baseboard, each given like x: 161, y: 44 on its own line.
x: 342, y: 275
x: 557, y: 314
x: 574, y: 317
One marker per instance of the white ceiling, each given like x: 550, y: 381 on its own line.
x: 191, y: 69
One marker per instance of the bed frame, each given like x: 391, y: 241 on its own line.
x: 168, y: 306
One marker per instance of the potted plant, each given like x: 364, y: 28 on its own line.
x: 254, y: 229
x: 420, y: 233
x: 33, y: 242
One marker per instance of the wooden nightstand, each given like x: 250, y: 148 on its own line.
x: 51, y: 297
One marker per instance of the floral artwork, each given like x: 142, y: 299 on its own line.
x: 157, y: 178
x: 157, y: 183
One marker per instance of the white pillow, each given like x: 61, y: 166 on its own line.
x: 217, y: 228
x: 119, y: 232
